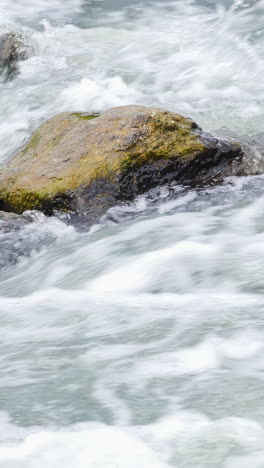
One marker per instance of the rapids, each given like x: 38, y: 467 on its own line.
x: 140, y: 342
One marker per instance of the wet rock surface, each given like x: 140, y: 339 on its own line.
x: 13, y: 49
x: 84, y: 164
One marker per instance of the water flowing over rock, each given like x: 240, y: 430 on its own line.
x: 85, y: 164
x: 12, y: 222
x: 12, y: 49
x: 11, y: 239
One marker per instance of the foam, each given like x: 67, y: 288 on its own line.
x: 181, y: 439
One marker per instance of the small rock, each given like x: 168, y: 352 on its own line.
x: 12, y: 50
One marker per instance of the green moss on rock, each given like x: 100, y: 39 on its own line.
x: 85, y: 116
x: 114, y: 156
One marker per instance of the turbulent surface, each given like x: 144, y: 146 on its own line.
x: 139, y: 343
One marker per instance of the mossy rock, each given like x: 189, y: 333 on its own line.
x: 85, y: 163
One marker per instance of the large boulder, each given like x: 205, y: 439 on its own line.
x: 12, y: 49
x: 85, y: 164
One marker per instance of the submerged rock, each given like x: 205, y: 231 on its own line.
x: 12, y: 222
x: 11, y: 229
x: 12, y: 50
x: 22, y: 236
x: 84, y: 164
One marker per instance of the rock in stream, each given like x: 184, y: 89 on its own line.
x: 13, y: 48
x: 84, y: 164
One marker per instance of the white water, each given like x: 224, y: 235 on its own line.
x: 139, y: 343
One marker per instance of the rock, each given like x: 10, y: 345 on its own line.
x: 84, y: 164
x: 12, y: 50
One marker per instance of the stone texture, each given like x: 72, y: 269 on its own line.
x: 85, y: 164
x: 12, y: 50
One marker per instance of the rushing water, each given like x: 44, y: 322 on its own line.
x: 139, y: 343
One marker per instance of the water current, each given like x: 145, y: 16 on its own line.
x: 140, y: 342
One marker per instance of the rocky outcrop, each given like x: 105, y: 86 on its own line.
x: 85, y: 164
x: 12, y: 50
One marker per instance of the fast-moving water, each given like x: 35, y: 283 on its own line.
x: 141, y: 342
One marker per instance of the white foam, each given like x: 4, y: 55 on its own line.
x: 109, y: 92
x: 100, y: 447
x: 181, y: 439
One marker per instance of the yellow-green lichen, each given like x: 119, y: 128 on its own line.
x: 33, y: 142
x: 84, y: 116
x: 21, y: 200
x: 65, y: 153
